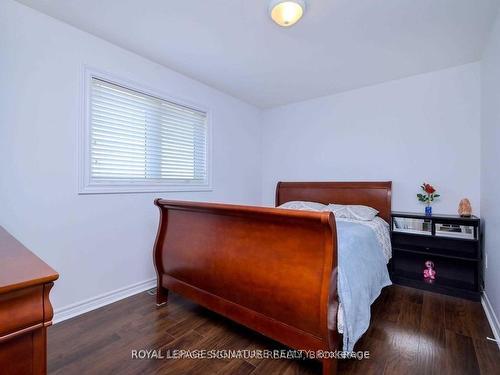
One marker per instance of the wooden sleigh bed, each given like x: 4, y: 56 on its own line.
x: 272, y: 270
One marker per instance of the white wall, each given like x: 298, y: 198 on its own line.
x: 490, y: 164
x: 421, y: 128
x: 98, y: 243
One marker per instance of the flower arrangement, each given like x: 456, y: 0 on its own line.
x: 428, y: 196
x: 429, y: 193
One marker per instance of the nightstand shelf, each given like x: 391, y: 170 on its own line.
x: 455, y: 252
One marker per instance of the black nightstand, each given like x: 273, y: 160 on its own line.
x: 452, y: 242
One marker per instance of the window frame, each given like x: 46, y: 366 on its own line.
x: 86, y: 186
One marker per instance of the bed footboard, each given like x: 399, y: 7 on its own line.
x: 268, y: 269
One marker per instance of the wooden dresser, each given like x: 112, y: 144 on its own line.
x: 25, y: 309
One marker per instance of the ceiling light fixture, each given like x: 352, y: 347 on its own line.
x: 286, y: 12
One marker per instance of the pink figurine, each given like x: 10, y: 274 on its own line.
x: 429, y: 272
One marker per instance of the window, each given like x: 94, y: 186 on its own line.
x: 140, y: 142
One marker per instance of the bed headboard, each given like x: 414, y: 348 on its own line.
x: 373, y: 194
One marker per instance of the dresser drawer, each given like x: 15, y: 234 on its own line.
x: 436, y: 245
x: 21, y: 309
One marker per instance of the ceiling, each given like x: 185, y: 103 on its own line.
x: 339, y: 45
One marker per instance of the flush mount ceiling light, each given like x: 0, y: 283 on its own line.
x: 286, y: 12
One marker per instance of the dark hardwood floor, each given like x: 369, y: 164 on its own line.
x: 412, y: 332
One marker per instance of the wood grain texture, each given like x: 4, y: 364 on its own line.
x: 268, y: 269
x: 20, y: 268
x: 373, y: 194
x: 100, y: 342
x: 25, y: 308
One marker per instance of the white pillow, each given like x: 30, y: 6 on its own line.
x: 303, y: 205
x: 353, y: 212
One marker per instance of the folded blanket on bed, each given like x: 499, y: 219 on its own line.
x: 364, y: 249
x: 362, y: 273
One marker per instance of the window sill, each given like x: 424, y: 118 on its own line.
x: 107, y: 189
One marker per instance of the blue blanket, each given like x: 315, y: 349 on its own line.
x: 362, y: 275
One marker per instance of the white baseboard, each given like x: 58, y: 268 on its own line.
x: 93, y: 303
x: 491, y: 316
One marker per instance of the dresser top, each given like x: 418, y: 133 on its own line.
x: 456, y: 218
x: 19, y: 267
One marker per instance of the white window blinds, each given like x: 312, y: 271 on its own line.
x: 141, y: 139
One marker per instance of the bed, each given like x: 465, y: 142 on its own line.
x: 273, y: 270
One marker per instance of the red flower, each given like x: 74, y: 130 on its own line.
x: 429, y: 189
